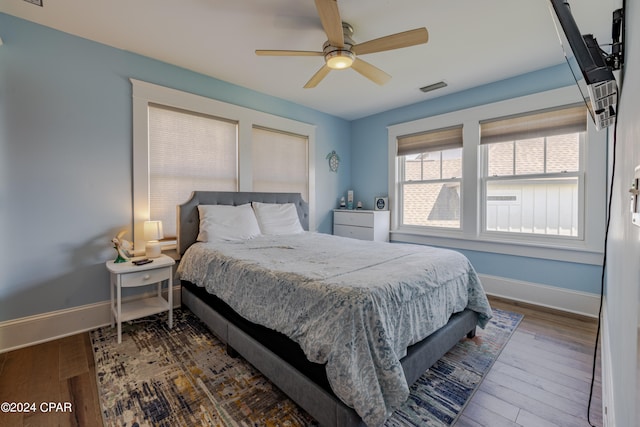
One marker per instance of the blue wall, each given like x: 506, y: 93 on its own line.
x: 369, y: 168
x: 66, y: 164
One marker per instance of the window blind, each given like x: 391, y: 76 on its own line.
x: 433, y: 140
x: 279, y: 162
x: 537, y: 124
x: 187, y: 151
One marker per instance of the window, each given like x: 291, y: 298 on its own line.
x: 280, y: 162
x: 528, y: 178
x: 187, y: 151
x: 184, y: 142
x: 431, y: 168
x: 533, y: 176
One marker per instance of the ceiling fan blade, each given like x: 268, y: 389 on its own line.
x: 288, y: 53
x: 394, y: 41
x: 331, y: 21
x: 317, y: 77
x: 371, y: 72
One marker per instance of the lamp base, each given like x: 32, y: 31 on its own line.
x: 152, y: 249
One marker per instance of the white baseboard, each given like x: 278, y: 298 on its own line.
x: 568, y: 300
x: 26, y: 331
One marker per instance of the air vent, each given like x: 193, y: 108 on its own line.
x: 434, y: 86
x: 36, y: 2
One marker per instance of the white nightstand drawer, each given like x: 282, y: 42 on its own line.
x: 360, y: 219
x: 362, y: 224
x: 362, y: 233
x: 139, y: 278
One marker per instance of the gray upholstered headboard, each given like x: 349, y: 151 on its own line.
x: 189, y: 220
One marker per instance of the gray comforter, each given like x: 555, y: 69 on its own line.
x: 352, y: 305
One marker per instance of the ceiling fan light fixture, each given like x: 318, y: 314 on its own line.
x: 339, y: 59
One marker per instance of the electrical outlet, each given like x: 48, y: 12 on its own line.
x: 36, y: 2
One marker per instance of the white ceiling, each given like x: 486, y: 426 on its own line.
x: 471, y: 42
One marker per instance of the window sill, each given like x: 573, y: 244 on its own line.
x: 577, y: 252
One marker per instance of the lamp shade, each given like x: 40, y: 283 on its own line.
x: 153, y: 230
x: 153, y: 233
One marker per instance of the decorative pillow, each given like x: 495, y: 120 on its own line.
x: 226, y: 222
x: 277, y: 218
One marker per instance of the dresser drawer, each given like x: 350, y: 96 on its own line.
x: 362, y: 233
x: 140, y: 278
x: 360, y: 219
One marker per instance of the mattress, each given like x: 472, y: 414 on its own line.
x: 351, y: 306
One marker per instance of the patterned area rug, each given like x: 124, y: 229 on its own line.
x: 183, y: 377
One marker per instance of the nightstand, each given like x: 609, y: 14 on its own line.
x: 129, y: 275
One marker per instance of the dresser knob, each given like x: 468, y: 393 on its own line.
x: 146, y: 277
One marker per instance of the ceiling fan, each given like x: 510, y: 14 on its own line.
x: 340, y: 51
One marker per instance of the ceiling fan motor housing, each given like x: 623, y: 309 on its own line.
x: 339, y: 58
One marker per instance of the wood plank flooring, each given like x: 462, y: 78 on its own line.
x: 541, y: 379
x: 60, y: 371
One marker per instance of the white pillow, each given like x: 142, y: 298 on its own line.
x: 277, y: 218
x: 226, y: 222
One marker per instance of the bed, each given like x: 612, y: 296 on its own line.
x: 341, y: 339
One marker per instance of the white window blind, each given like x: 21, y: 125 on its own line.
x: 537, y: 124
x: 432, y: 140
x: 187, y: 151
x: 280, y: 162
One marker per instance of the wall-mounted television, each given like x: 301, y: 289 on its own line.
x: 592, y: 68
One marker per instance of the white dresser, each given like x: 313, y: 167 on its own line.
x: 361, y: 224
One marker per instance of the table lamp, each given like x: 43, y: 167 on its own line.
x: 153, y: 233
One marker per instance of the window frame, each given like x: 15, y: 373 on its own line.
x: 145, y: 93
x: 402, y: 183
x: 588, y: 249
x: 534, y: 237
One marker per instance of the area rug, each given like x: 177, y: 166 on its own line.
x: 184, y: 377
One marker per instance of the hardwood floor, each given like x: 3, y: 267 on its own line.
x: 541, y: 378
x: 59, y: 372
